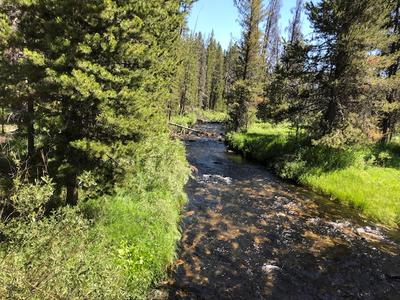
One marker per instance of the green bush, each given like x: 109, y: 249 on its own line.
x: 57, y: 256
x: 110, y: 247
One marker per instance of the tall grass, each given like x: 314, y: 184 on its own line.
x: 115, y: 246
x: 366, y: 177
x: 143, y: 233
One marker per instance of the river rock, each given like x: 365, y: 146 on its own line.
x: 266, y: 268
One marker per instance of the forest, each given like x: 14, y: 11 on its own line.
x: 96, y: 97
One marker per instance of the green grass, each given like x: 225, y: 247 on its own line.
x: 185, y: 120
x: 212, y: 116
x: 141, y: 221
x: 143, y: 232
x: 366, y: 177
x: 375, y: 190
x: 121, y: 245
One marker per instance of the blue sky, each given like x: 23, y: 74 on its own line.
x: 221, y: 15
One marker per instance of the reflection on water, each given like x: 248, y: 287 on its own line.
x: 248, y: 235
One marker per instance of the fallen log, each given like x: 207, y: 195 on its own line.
x: 188, y: 128
x: 202, y: 132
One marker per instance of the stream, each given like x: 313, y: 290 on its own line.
x: 249, y: 235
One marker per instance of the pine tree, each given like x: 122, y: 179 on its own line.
x: 286, y: 91
x: 211, y: 56
x: 99, y: 73
x: 188, y: 74
x: 202, y: 70
x: 245, y: 91
x: 391, y: 105
x: 231, y: 66
x: 217, y: 82
x: 346, y: 34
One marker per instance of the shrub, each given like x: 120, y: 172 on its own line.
x: 55, y: 256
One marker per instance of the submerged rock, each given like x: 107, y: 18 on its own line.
x: 270, y: 268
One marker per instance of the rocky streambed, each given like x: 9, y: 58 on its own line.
x: 249, y: 235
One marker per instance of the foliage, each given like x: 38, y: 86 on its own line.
x: 200, y: 78
x: 102, y: 87
x: 140, y: 221
x: 342, y: 57
x: 246, y: 87
x: 239, y: 102
x: 187, y: 120
x: 91, y: 81
x: 115, y: 246
x: 192, y: 118
x: 54, y: 256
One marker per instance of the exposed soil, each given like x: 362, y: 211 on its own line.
x: 249, y: 235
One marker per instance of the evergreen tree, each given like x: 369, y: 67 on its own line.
x: 287, y: 93
x: 391, y: 105
x: 217, y: 82
x: 202, y: 70
x: 97, y: 74
x: 287, y: 90
x: 231, y: 66
x: 212, y: 55
x: 188, y: 74
x: 346, y: 34
x: 245, y: 91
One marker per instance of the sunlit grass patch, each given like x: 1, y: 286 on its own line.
x: 212, y: 116
x: 144, y: 234
x: 374, y: 190
x: 185, y: 120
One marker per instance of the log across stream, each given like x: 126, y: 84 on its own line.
x: 249, y: 235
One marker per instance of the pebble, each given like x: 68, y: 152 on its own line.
x: 269, y: 268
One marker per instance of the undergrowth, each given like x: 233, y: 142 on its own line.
x: 115, y: 246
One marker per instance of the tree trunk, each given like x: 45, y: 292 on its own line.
x: 30, y: 129
x: 329, y: 117
x: 2, y: 121
x: 72, y: 194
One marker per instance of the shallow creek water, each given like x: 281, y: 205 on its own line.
x: 249, y: 235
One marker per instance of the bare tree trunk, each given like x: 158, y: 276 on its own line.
x: 72, y: 192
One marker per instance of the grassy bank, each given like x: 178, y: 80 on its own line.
x: 366, y: 177
x: 141, y: 221
x: 116, y: 246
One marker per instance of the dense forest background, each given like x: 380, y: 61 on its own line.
x: 91, y: 180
